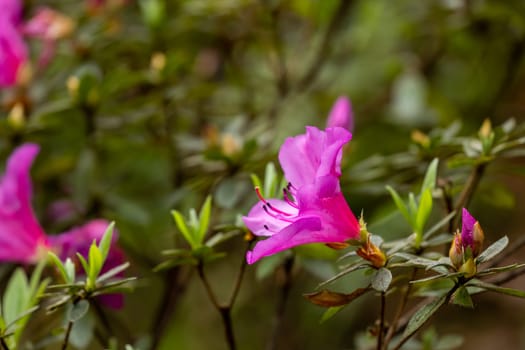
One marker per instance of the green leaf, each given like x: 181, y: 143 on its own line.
x: 95, y: 263
x: 78, y: 310
x: 331, y: 312
x: 183, y: 228
x: 382, y: 279
x: 422, y: 315
x: 82, y: 334
x: 112, y: 272
x: 401, y: 206
x: 495, y: 288
x: 58, y: 264
x: 493, y: 250
x: 105, y: 241
x: 83, y: 262
x: 270, y: 180
x: 353, y: 267
x: 429, y: 181
x: 21, y: 316
x: 412, y: 207
x: 204, y: 220
x: 462, y: 298
x: 423, y: 212
x: 16, y: 296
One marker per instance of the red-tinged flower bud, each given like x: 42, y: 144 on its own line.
x: 456, y: 251
x: 369, y: 251
x: 478, y: 238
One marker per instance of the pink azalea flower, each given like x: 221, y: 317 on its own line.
x: 13, y: 51
x: 341, y: 114
x: 22, y: 239
x: 313, y: 209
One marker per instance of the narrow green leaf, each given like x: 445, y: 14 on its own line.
x: 78, y: 310
x: 16, y: 296
x: 331, y: 312
x: 412, y: 208
x: 35, y: 277
x: 83, y: 262
x: 183, y: 228
x: 113, y: 272
x: 401, y: 206
x: 204, y: 220
x: 60, y: 267
x: 462, y: 298
x: 193, y: 222
x: 429, y: 181
x: 21, y: 316
x: 105, y: 241
x: 354, y: 267
x: 95, y: 262
x: 423, y: 212
x: 495, y: 288
x: 382, y: 279
x: 270, y: 180
x: 493, y: 250
x: 422, y: 315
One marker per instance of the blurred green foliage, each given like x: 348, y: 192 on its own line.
x: 153, y: 105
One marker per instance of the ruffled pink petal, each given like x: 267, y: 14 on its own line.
x: 260, y: 223
x: 21, y: 236
x: 341, y: 114
x: 300, y: 232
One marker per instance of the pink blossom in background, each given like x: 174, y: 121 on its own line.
x: 13, y: 50
x: 313, y: 209
x: 48, y: 26
x: 341, y: 114
x: 22, y: 239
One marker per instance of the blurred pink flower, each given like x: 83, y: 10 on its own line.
x: 13, y: 51
x: 48, y: 26
x: 341, y: 114
x: 313, y: 209
x: 22, y: 239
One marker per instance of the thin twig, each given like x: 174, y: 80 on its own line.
x: 411, y: 334
x: 4, y: 344
x: 313, y: 70
x: 381, y: 322
x: 68, y: 333
x: 225, y: 310
x: 468, y: 190
x: 173, y: 287
x: 399, y: 312
x: 281, y: 303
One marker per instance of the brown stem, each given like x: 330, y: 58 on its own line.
x: 225, y: 310
x: 399, y: 312
x: 313, y: 70
x: 468, y: 190
x: 172, y: 289
x: 381, y: 322
x: 68, y: 333
x: 411, y: 334
x: 4, y: 344
x: 281, y: 303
